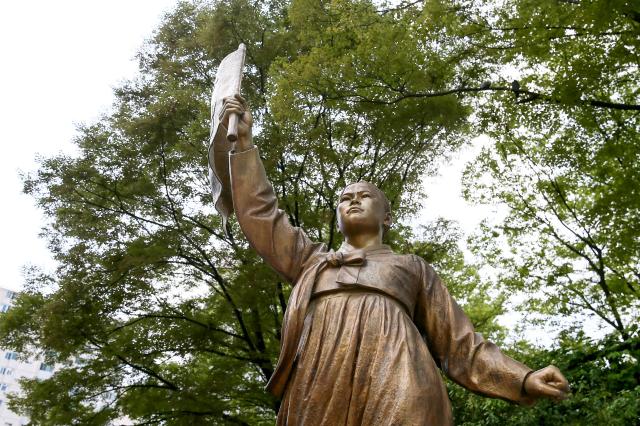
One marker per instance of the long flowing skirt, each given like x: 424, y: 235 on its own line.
x: 364, y: 363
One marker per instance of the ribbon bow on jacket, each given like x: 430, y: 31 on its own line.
x: 349, y: 263
x: 339, y: 258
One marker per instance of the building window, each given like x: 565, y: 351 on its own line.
x: 11, y: 294
x: 3, y: 386
x: 46, y: 367
x: 6, y: 371
x: 11, y: 355
x: 4, y: 308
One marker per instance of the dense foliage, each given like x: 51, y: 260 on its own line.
x: 157, y: 315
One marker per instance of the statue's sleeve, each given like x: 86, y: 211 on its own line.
x: 464, y: 355
x: 285, y: 247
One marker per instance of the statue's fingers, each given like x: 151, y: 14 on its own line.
x: 233, y: 99
x: 561, y: 384
x: 560, y: 378
x: 246, y: 113
x: 232, y: 102
x: 235, y: 108
x: 242, y: 100
x: 555, y: 377
x: 552, y: 392
x: 230, y: 108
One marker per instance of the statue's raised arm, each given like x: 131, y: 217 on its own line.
x: 285, y: 247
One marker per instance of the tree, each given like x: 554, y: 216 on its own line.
x: 565, y: 157
x: 564, y: 161
x: 572, y: 227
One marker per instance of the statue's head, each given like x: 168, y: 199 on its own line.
x: 363, y: 208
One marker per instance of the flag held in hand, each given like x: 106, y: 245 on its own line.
x: 227, y: 84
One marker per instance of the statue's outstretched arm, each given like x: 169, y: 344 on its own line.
x: 464, y: 355
x: 470, y: 360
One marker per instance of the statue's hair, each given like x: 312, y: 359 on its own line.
x: 378, y: 192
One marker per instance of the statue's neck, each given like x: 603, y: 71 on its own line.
x: 361, y: 242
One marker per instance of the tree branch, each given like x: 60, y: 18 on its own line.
x: 531, y: 96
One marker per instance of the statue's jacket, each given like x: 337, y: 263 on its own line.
x: 464, y: 356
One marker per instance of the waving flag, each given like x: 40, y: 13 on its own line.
x: 227, y: 84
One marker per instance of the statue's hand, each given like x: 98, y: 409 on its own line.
x: 238, y: 105
x: 547, y: 383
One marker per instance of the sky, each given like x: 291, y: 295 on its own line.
x: 60, y: 63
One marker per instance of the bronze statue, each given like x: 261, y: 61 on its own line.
x: 366, y: 328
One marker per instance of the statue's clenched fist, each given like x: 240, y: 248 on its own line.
x: 546, y: 383
x: 238, y: 105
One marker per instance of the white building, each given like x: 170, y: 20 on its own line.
x: 12, y: 369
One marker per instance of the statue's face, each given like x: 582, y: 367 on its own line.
x: 361, y: 208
